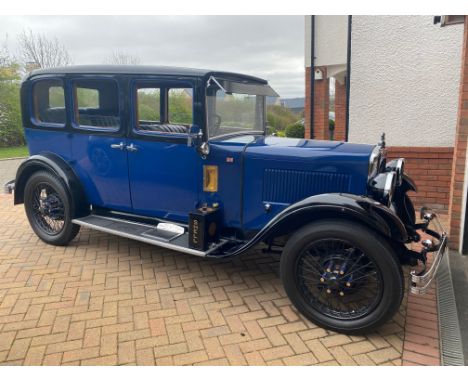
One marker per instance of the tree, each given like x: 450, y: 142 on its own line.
x: 280, y: 117
x: 11, y: 132
x: 9, y: 68
x: 121, y: 58
x: 38, y: 50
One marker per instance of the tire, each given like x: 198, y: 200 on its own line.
x: 323, y: 284
x: 48, y: 208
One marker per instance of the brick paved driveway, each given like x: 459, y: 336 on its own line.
x: 108, y: 300
x: 8, y: 169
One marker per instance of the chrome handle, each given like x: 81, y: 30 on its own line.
x: 132, y: 147
x: 119, y: 146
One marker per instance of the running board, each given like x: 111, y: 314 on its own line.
x: 145, y: 233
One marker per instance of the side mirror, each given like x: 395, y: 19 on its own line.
x: 195, y: 136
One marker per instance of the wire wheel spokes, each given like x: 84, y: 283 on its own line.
x: 48, y: 209
x: 338, y: 279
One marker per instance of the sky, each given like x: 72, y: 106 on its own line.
x: 270, y: 47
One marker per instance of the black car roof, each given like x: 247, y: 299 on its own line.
x: 141, y: 70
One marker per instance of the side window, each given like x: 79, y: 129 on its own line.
x: 49, y: 102
x: 148, y: 108
x: 96, y: 104
x: 160, y: 108
x: 180, y: 106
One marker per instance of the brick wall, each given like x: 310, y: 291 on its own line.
x: 461, y: 139
x: 340, y: 111
x: 321, y: 105
x: 430, y: 168
x: 307, y: 104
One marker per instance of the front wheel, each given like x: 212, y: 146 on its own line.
x: 48, y: 208
x: 342, y: 276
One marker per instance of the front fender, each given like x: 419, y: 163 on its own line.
x: 360, y: 209
x: 58, y: 166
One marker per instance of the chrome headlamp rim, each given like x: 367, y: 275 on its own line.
x: 390, y: 184
x: 398, y: 166
x: 374, y: 161
x: 382, y: 187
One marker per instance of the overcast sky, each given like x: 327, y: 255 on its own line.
x: 271, y: 47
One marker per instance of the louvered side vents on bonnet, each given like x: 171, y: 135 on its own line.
x: 289, y: 186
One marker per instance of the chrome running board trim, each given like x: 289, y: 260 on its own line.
x: 136, y: 231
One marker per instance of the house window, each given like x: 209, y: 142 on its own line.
x: 49, y: 102
x: 96, y: 104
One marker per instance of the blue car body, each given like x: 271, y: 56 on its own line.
x: 180, y: 158
x: 160, y: 174
x: 280, y: 171
x: 263, y: 170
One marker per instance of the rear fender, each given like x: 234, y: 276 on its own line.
x: 58, y: 166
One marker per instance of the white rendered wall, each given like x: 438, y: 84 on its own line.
x: 331, y: 37
x: 405, y: 75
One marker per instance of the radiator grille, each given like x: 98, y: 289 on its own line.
x: 288, y: 186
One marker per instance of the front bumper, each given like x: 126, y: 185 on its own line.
x: 421, y: 281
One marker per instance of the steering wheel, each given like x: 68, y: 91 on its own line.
x: 216, y: 123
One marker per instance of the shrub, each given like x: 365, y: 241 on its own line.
x: 279, y: 117
x: 11, y: 131
x: 295, y: 131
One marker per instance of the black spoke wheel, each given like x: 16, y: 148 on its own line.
x: 342, y: 276
x: 338, y: 278
x: 48, y: 207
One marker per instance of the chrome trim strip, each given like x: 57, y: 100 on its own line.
x: 156, y: 220
x: 147, y: 240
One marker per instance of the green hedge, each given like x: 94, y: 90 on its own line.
x: 295, y: 131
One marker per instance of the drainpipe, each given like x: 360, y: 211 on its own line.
x: 348, y: 77
x: 312, y: 74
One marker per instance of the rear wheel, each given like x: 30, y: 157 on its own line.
x: 342, y: 276
x: 48, y: 208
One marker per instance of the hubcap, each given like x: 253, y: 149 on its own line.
x: 338, y: 279
x: 48, y: 209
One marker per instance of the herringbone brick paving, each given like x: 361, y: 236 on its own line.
x: 105, y: 300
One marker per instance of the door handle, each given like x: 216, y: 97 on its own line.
x: 119, y: 146
x: 132, y: 147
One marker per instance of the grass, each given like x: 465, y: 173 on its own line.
x: 13, y: 152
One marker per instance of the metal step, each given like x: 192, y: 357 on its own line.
x: 146, y: 233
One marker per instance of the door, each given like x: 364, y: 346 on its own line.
x: 165, y: 173
x: 98, y: 142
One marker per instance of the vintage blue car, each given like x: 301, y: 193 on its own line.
x: 180, y: 158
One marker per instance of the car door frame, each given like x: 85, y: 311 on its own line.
x: 119, y: 135
x: 175, y: 138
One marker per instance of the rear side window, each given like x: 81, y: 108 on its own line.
x: 148, y: 107
x: 96, y: 104
x: 49, y: 102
